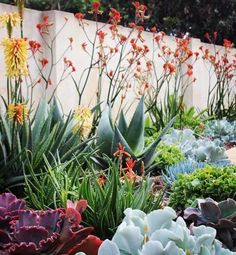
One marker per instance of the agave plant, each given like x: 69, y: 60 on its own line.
x: 49, y: 232
x: 157, y: 233
x: 221, y: 216
x: 131, y: 136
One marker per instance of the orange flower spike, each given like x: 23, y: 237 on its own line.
x: 102, y: 181
x: 130, y: 164
x: 121, y: 152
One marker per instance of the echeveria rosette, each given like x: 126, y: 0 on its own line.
x: 221, y: 216
x: 160, y: 233
x: 10, y: 207
x: 51, y: 232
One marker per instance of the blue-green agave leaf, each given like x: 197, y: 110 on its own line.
x: 39, y: 119
x: 105, y: 133
x: 122, y: 124
x: 135, y: 132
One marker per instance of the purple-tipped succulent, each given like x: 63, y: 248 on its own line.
x: 54, y: 232
x: 221, y: 216
x: 10, y: 205
x: 10, y: 208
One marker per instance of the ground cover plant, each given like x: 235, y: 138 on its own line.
x: 127, y: 157
x: 210, y: 181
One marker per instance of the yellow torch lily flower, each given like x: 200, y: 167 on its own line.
x: 82, y: 117
x: 17, y: 112
x: 15, y: 56
x: 10, y: 20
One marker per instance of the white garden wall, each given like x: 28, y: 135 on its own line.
x: 196, y: 94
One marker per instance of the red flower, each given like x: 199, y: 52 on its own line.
x: 34, y: 46
x: 132, y: 25
x: 168, y: 67
x: 44, y: 62
x: 95, y: 7
x: 190, y: 70
x: 101, y: 36
x: 130, y: 163
x: 228, y: 44
x: 121, y: 151
x: 115, y: 16
x: 79, y: 16
x: 101, y: 181
x: 43, y: 27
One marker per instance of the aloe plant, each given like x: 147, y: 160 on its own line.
x: 48, y: 133
x: 221, y: 216
x: 130, y: 136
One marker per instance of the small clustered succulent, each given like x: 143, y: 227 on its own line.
x: 54, y: 232
x: 219, y: 183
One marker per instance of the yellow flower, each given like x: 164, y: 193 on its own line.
x: 10, y: 20
x: 82, y: 117
x: 17, y: 112
x: 15, y: 56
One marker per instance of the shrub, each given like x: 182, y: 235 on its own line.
x: 168, y: 155
x: 210, y: 181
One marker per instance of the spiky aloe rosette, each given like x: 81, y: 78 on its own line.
x: 49, y: 232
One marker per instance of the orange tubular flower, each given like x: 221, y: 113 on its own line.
x: 102, y: 181
x: 43, y: 27
x: 43, y: 62
x: 95, y: 8
x: 228, y: 44
x: 169, y: 68
x: 115, y: 16
x: 79, y: 16
x: 190, y: 70
x: 101, y: 36
x: 121, y: 152
x: 34, y: 46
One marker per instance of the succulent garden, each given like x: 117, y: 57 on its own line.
x: 136, y: 170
